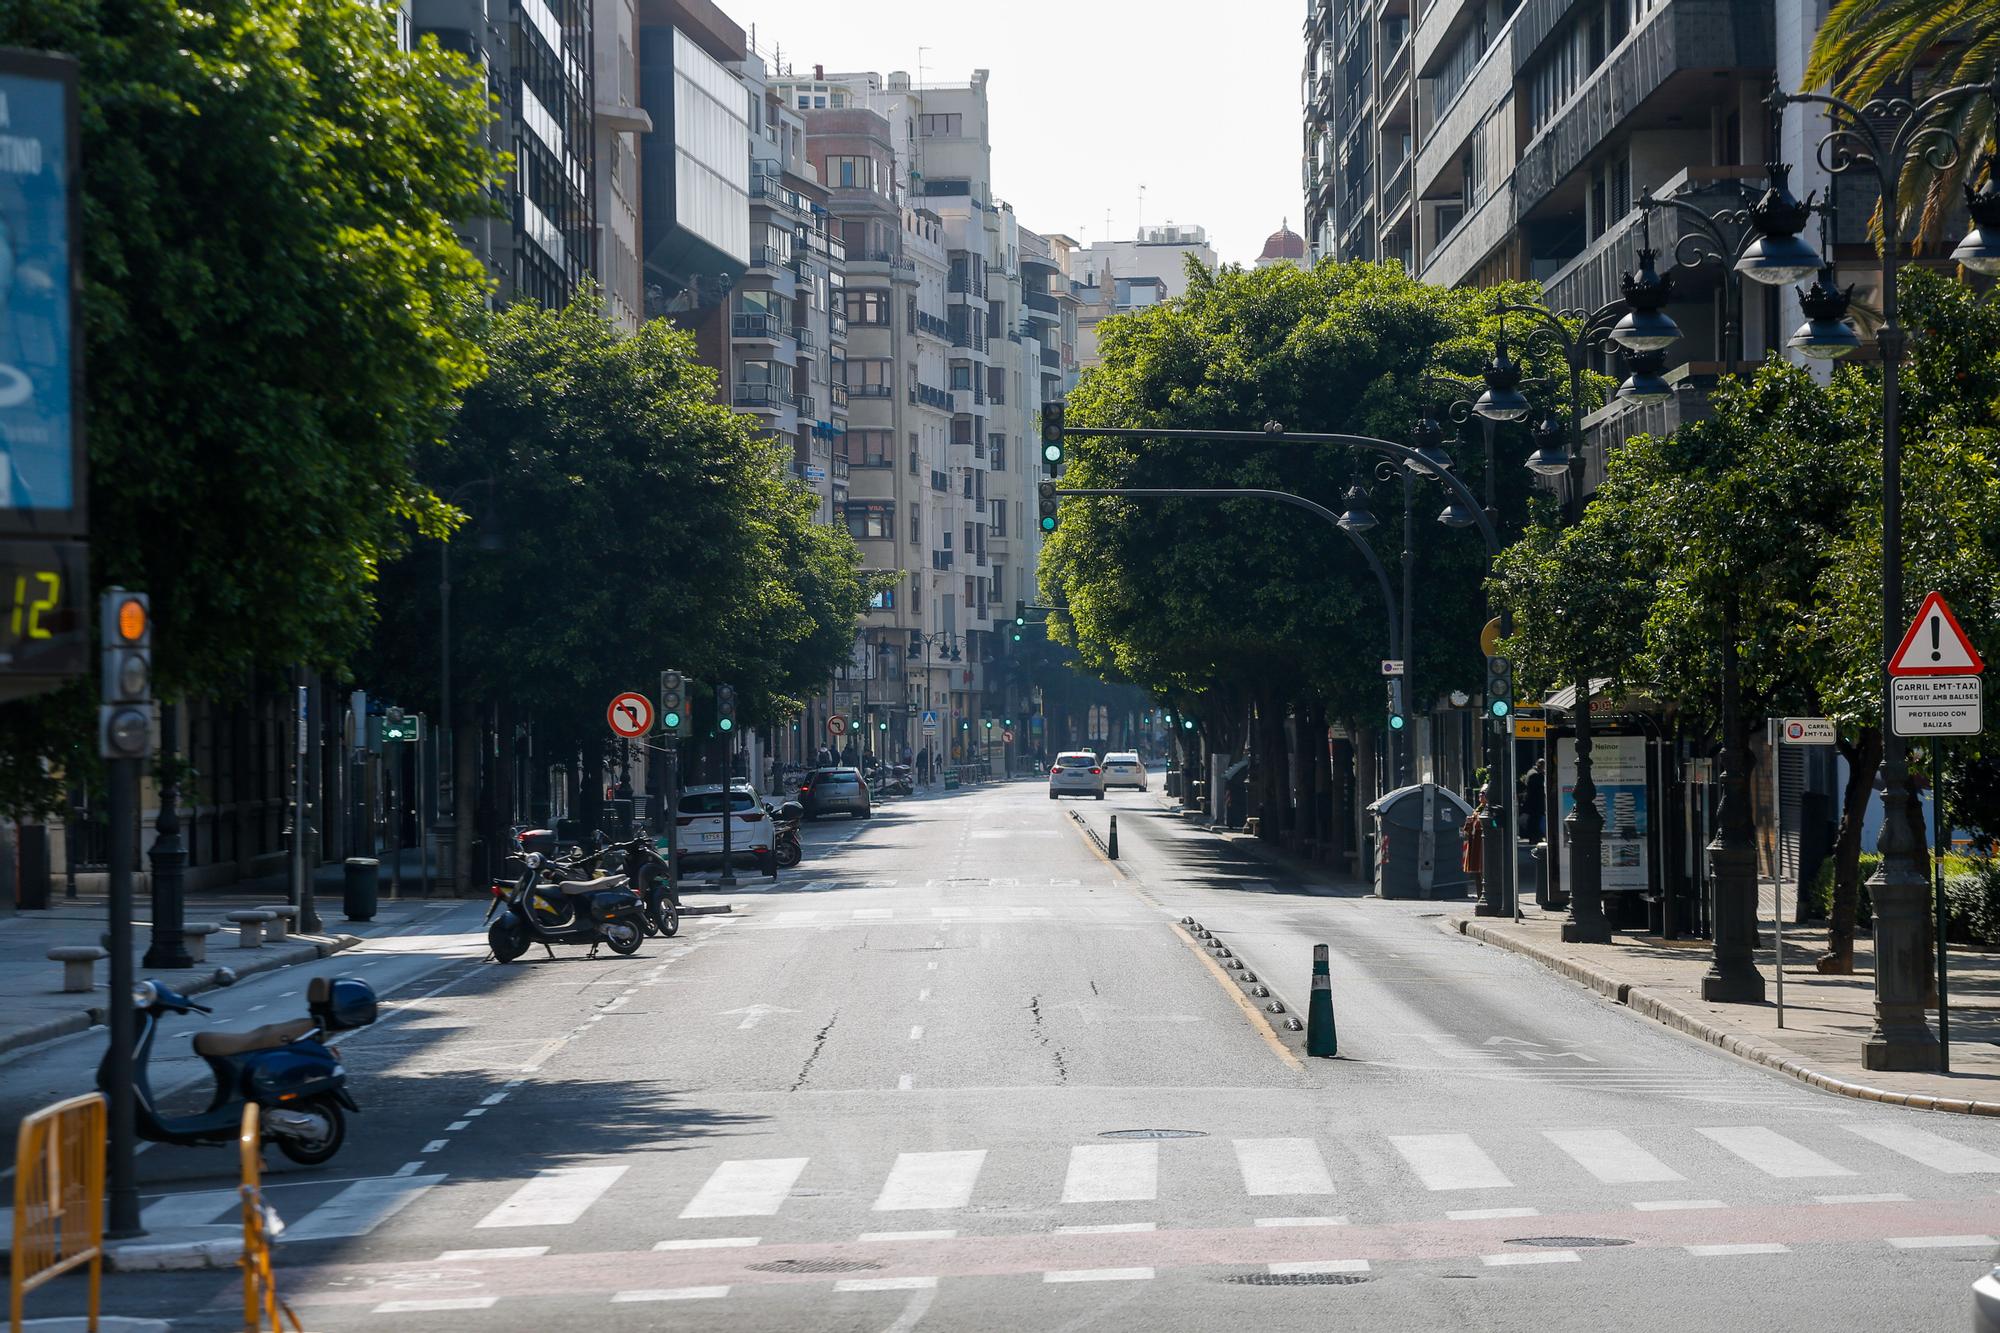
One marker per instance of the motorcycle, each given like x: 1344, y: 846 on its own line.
x: 542, y: 908
x: 286, y: 1068
x: 786, y: 844
x: 647, y: 866
x: 896, y: 780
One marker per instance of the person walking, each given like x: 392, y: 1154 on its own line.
x: 924, y: 765
x: 1533, y: 801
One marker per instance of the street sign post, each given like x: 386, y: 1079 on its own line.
x: 837, y: 725
x: 630, y: 715
x: 1937, y: 705
x: 1935, y: 645
x: 1392, y: 666
x: 930, y: 719
x: 1806, y: 731
x: 1530, y: 728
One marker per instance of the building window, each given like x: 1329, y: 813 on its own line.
x: 868, y: 306
x: 916, y: 528
x: 871, y: 520
x: 949, y: 125
x: 961, y: 375
x: 999, y: 451
x: 970, y: 600
x: 870, y: 378
x: 876, y: 447
x: 885, y: 600
x: 852, y: 173
x: 916, y: 467
x: 1000, y: 517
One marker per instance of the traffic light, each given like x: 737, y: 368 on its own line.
x: 674, y: 704
x: 1052, y: 437
x: 725, y: 709
x: 1047, y: 491
x: 125, y: 722
x: 989, y: 724
x: 1397, y: 721
x: 1187, y: 724
x: 1499, y: 687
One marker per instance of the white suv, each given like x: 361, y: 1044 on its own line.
x: 1124, y: 769
x: 698, y: 826
x: 1076, y: 773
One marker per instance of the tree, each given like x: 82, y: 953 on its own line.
x: 1245, y: 604
x: 1868, y: 46
x: 277, y: 315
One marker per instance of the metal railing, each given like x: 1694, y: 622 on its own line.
x: 871, y: 390
x: 59, y: 1197
x: 754, y: 324
x: 759, y: 395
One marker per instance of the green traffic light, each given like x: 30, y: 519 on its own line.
x: 672, y: 719
x: 1187, y: 723
x: 1052, y: 453
x: 1501, y: 707
x: 1397, y: 722
x: 726, y: 724
x: 1048, y: 524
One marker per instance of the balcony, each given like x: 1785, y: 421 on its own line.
x: 1396, y: 190
x: 872, y: 390
x: 967, y: 282
x: 807, y: 405
x: 805, y: 339
x: 761, y: 325
x: 764, y: 257
x: 929, y: 397
x: 1041, y: 301
x: 836, y: 327
x: 836, y: 395
x: 840, y: 468
x: 1052, y: 358
x: 935, y: 325
x: 941, y: 560
x: 766, y: 397
x: 1396, y: 69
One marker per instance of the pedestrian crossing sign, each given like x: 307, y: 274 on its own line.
x: 930, y: 719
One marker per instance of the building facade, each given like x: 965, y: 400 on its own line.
x: 1117, y: 277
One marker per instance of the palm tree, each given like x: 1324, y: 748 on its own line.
x: 1868, y: 46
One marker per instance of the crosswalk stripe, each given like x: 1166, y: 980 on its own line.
x: 1928, y: 1149
x: 360, y: 1208
x: 1748, y: 1247
x: 1773, y: 1153
x: 1489, y: 1214
x: 1098, y: 1275
x: 1610, y: 1156
x: 750, y: 1188
x: 1112, y: 1172
x: 443, y: 1303
x: 555, y: 1197
x: 930, y: 1180
x: 188, y: 1210
x: 670, y: 1294
x: 1676, y: 1205
x: 1282, y: 1166
x: 885, y: 1283
x: 1449, y: 1162
x: 505, y: 1252
x: 1530, y: 1257
x: 1942, y: 1242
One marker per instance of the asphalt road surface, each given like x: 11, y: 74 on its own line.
x: 960, y: 1072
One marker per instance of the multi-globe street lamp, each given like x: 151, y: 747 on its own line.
x: 1887, y: 135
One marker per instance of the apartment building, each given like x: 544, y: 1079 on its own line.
x: 1116, y: 277
x: 617, y: 121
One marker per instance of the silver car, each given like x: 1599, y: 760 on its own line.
x: 1076, y: 773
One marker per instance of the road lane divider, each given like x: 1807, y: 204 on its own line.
x: 1321, y: 1039
x: 1256, y: 1016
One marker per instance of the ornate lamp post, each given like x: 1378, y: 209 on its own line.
x: 1886, y: 134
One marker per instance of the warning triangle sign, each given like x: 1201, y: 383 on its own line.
x: 1935, y: 645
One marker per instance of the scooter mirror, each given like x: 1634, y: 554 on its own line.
x: 224, y: 976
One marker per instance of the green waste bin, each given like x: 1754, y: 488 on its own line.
x: 950, y: 779
x: 361, y: 885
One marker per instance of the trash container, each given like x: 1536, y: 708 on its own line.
x: 1417, y: 843
x: 360, y: 887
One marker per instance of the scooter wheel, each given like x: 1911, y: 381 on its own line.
x: 664, y: 913
x: 322, y: 1149
x: 788, y: 856
x: 624, y: 938
x: 507, y: 944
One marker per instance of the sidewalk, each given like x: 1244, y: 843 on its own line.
x: 39, y: 1010
x: 1827, y: 1019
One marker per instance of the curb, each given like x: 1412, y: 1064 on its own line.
x: 309, y: 949
x: 174, y: 1256
x: 1661, y: 1010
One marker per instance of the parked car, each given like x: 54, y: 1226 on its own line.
x: 1986, y: 1303
x: 1076, y: 773
x: 835, y: 791
x: 698, y: 826
x: 1124, y: 769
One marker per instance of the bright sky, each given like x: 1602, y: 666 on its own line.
x: 1094, y: 99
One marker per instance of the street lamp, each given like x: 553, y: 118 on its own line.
x: 1980, y: 250
x: 1885, y: 134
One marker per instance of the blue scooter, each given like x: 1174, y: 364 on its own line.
x: 286, y: 1068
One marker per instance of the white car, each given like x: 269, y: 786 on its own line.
x: 1124, y: 769
x: 1076, y: 773
x: 698, y: 828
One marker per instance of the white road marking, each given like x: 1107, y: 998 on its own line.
x: 436, y: 1145
x: 495, y: 1099
x: 710, y: 1243
x: 457, y: 1125
x: 408, y: 1169
x: 1529, y: 1257
x: 750, y: 1188
x: 1449, y: 1162
x: 884, y: 1283
x: 1754, y: 1247
x: 930, y: 1180
x: 446, y: 1303
x: 670, y: 1294
x: 1611, y: 1157
x: 903, y: 1083
x: 874, y: 913
x: 556, y: 1197
x: 1928, y: 1149
x: 1302, y: 1221
x: 1112, y: 1172
x: 1942, y: 1242
x: 1773, y: 1153
x: 870, y: 1236
x: 1107, y: 1229
x: 1099, y: 1275
x: 923, y: 995
x: 360, y: 1208
x: 1282, y: 1166
x: 930, y: 967
x: 1863, y: 1198
x: 1489, y: 1214
x: 504, y: 1252
x: 1676, y: 1205
x: 188, y: 1210
x: 1322, y: 1266
x: 917, y: 1033
x: 477, y: 1110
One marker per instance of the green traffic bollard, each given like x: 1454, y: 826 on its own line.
x: 1320, y: 1036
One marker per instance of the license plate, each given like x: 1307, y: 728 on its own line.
x: 711, y: 837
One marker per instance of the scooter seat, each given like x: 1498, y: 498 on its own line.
x: 268, y: 1037
x: 576, y: 888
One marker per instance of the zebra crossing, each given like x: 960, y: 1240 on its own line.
x: 824, y: 919
x: 1725, y: 1165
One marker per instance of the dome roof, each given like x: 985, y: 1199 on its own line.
x: 1284, y: 243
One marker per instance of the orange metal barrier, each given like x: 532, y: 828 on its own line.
x: 59, y: 1199
x: 260, y: 1288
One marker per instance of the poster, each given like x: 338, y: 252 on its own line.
x: 1618, y: 767
x: 37, y: 411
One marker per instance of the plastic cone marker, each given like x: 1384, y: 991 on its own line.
x: 1320, y: 1037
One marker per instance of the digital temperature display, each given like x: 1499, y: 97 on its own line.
x: 44, y: 616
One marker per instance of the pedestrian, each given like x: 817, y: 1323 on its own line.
x: 924, y: 765
x: 1533, y: 798
x: 849, y: 755
x: 1472, y: 841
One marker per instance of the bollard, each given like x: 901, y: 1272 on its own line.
x: 1111, y: 845
x: 1320, y: 1038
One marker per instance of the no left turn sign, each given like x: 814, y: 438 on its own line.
x: 630, y: 715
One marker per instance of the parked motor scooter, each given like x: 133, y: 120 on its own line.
x: 542, y: 908
x: 787, y: 847
x: 286, y: 1068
